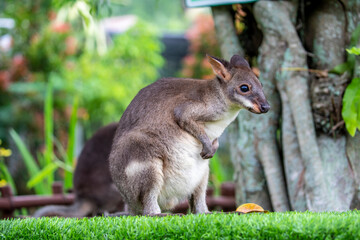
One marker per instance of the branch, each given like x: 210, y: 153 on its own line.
x: 297, y: 93
x: 269, y: 60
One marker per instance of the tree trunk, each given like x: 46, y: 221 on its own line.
x: 249, y: 176
x: 315, y: 164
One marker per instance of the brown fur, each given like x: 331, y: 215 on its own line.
x: 93, y: 187
x: 169, y: 131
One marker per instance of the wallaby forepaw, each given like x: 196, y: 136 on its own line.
x: 206, y: 155
x: 208, y: 152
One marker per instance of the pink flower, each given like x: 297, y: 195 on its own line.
x: 189, y: 60
x: 59, y: 27
x: 71, y: 45
x: 4, y: 80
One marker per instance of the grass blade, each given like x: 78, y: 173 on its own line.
x: 64, y: 166
x: 49, y: 128
x: 60, y: 149
x: 71, y: 144
x: 7, y: 177
x: 40, y: 176
x: 29, y: 161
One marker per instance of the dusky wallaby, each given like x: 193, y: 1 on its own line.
x: 95, y: 192
x: 169, y: 131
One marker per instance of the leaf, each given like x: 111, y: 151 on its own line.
x: 349, y: 65
x: 84, y: 10
x: 26, y: 87
x: 49, y: 128
x: 7, y: 177
x: 342, y: 68
x: 351, y: 106
x: 250, y: 207
x: 48, y: 113
x: 355, y: 36
x: 29, y: 161
x: 44, y: 173
x: 217, y: 172
x: 71, y: 144
x: 217, y: 168
x: 354, y: 50
x: 64, y: 166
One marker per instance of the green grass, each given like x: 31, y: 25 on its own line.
x: 291, y: 225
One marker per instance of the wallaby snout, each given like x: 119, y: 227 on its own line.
x: 264, y: 108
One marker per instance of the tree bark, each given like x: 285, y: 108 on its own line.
x: 327, y: 24
x: 269, y: 59
x: 249, y: 176
x: 352, y: 143
x: 314, y: 165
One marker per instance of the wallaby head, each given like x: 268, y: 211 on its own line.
x: 240, y: 85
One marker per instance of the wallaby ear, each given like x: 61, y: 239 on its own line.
x: 219, y: 67
x: 238, y: 61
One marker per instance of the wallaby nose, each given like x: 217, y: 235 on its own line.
x: 264, y: 107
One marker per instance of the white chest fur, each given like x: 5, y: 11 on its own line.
x: 215, y: 128
x: 186, y: 169
x: 183, y: 173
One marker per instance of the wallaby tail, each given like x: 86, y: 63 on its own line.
x: 77, y: 209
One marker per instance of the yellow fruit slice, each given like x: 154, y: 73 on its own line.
x: 249, y: 208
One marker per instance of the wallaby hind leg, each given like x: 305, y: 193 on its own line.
x: 139, y: 182
x: 150, y: 203
x: 151, y: 189
x: 197, y: 200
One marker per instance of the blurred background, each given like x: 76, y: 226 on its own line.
x: 67, y: 68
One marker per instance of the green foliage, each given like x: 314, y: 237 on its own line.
x: 47, y: 172
x: 106, y: 84
x: 348, y: 66
x: 351, y: 106
x: 202, y: 39
x: 165, y: 15
x: 49, y: 49
x: 69, y: 160
x: 351, y: 101
x: 289, y: 225
x: 29, y: 16
x: 5, y: 176
x: 217, y: 173
x: 42, y: 172
x: 354, y: 50
x: 59, y: 42
x: 29, y: 161
x: 40, y: 49
x: 49, y: 128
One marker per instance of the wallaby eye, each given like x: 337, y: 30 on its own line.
x: 244, y: 88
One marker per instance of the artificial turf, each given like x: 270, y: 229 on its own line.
x: 289, y: 225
